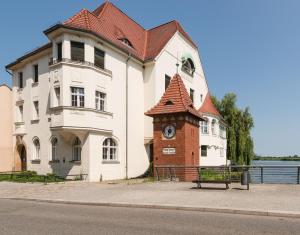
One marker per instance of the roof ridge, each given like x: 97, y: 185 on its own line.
x: 111, y: 4
x: 161, y: 25
x: 86, y: 18
x: 74, y: 16
x: 106, y: 4
x: 145, y: 44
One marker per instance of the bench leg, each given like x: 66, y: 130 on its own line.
x: 227, y: 187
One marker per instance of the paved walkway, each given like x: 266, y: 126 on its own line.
x: 267, y: 198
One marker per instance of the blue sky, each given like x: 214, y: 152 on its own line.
x: 249, y: 47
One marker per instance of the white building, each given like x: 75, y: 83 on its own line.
x: 79, y: 101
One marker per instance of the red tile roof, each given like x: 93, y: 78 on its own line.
x: 175, y: 100
x: 209, y: 107
x: 112, y: 24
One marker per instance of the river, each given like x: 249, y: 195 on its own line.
x: 276, y: 174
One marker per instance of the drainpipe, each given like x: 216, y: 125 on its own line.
x: 126, y: 129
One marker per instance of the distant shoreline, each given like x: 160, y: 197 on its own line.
x: 276, y: 159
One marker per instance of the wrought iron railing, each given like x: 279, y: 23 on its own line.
x: 53, y: 61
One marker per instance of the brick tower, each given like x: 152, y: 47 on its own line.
x: 176, y: 130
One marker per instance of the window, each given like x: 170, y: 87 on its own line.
x: 99, y: 58
x: 57, y: 96
x: 59, y: 51
x: 109, y: 150
x: 36, y: 149
x: 167, y: 81
x: 35, y: 73
x: 54, y: 148
x: 203, y: 150
x: 76, y: 149
x: 213, y: 127
x: 20, y: 116
x: 126, y: 42
x: 36, y: 110
x: 222, y: 131
x: 77, y: 97
x: 100, y: 100
x: 201, y: 97
x: 192, y: 95
x: 221, y: 152
x: 77, y: 51
x: 188, y: 66
x: 204, y: 127
x: 20, y: 80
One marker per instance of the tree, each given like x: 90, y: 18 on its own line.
x: 239, y: 124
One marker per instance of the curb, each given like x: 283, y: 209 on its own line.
x: 287, y: 214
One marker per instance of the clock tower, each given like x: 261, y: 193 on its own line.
x: 176, y: 130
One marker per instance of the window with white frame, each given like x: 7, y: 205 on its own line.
x: 203, y: 150
x: 54, y: 143
x: 20, y: 113
x: 57, y: 96
x: 36, y: 149
x: 204, y: 127
x: 109, y: 150
x: 76, y: 149
x: 213, y: 127
x: 20, y: 80
x: 221, y: 152
x: 35, y: 110
x: 77, y: 96
x: 222, y: 131
x: 35, y: 73
x: 100, y: 101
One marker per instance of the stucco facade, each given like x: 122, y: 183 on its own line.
x: 6, y: 142
x: 130, y: 85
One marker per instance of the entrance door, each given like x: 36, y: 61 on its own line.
x: 23, y: 158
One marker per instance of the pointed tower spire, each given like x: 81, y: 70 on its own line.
x: 175, y: 100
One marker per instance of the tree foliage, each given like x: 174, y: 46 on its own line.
x: 240, y: 122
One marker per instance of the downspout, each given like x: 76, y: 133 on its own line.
x: 126, y: 129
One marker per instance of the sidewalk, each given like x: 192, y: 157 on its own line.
x: 277, y: 200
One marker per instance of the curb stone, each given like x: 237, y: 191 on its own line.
x: 287, y: 214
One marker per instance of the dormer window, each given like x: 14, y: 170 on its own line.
x: 169, y: 102
x: 188, y: 66
x: 126, y: 42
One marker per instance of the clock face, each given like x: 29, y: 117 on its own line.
x: 169, y: 131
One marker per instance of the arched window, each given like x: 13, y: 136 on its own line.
x: 36, y: 149
x: 54, y: 148
x: 188, y: 66
x: 213, y: 127
x: 76, y: 149
x: 109, y: 150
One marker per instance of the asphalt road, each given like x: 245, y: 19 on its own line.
x: 24, y: 217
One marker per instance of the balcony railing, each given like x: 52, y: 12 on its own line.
x: 53, y: 61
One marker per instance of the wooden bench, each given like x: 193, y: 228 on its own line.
x: 226, y: 182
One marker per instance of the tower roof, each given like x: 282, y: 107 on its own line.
x: 175, y: 100
x: 209, y: 107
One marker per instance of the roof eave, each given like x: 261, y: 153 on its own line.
x: 58, y: 26
x: 20, y: 59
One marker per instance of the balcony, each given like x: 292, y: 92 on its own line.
x: 54, y: 62
x: 19, y: 128
x: 66, y: 117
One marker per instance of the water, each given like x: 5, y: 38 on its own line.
x: 280, y: 174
